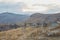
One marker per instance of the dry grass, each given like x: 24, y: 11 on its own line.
x: 28, y: 33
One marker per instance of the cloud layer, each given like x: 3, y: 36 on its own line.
x: 42, y: 6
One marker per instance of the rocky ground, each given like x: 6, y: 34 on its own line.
x: 28, y: 33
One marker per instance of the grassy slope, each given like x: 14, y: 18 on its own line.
x: 28, y: 33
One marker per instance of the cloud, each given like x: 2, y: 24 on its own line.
x: 53, y: 10
x: 47, y: 6
x: 41, y: 6
x: 35, y: 9
x: 11, y: 7
x: 10, y: 1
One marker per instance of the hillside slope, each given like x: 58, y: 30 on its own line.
x: 39, y: 17
x: 28, y: 33
x: 9, y: 18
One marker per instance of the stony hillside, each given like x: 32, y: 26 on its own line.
x: 39, y: 17
x: 28, y: 33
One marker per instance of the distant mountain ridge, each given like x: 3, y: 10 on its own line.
x: 39, y: 17
x: 11, y: 18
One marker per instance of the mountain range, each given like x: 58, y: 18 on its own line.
x: 41, y: 18
x: 11, y: 18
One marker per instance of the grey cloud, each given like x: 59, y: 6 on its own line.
x: 54, y: 9
x: 11, y: 7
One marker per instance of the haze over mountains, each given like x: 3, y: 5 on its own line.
x: 11, y: 18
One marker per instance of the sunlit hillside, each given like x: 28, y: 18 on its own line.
x: 28, y: 33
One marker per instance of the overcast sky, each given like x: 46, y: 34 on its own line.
x: 27, y: 6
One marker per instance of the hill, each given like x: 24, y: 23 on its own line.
x: 28, y: 33
x: 44, y: 18
x: 11, y: 18
x: 39, y: 17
